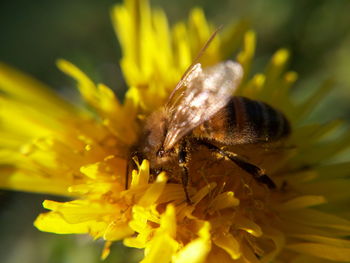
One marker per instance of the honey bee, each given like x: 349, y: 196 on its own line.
x: 202, y: 110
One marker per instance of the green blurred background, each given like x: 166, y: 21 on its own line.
x: 35, y: 33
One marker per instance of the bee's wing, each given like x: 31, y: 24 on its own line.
x: 198, y: 96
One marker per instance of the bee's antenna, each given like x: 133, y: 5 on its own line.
x: 195, y: 61
x: 204, y: 48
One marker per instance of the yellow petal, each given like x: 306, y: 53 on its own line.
x: 245, y: 57
x: 322, y: 251
x: 197, y: 250
x: 55, y: 223
x: 154, y: 191
x: 161, y: 249
x: 23, y: 88
x: 142, y: 176
x: 319, y: 219
x: 248, y: 226
x: 117, y: 231
x: 302, y: 202
x: 106, y: 250
x: 228, y: 243
x: 224, y: 200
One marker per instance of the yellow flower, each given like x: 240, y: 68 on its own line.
x: 51, y: 146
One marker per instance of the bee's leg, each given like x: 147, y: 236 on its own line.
x: 183, y: 163
x: 258, y: 174
x: 255, y: 171
x: 127, y: 175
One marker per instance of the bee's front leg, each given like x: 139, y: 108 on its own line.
x: 183, y: 157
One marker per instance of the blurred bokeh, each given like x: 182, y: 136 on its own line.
x: 35, y: 33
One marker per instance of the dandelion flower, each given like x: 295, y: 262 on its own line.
x: 51, y: 146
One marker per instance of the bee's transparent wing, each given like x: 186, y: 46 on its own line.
x: 198, y: 96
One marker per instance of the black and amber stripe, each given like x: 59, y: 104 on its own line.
x: 256, y: 119
x: 243, y: 120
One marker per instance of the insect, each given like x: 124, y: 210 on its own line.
x: 202, y: 110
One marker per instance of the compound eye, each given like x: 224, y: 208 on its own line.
x: 160, y: 152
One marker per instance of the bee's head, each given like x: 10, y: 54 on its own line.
x: 151, y: 142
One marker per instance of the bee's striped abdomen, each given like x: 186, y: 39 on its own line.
x: 265, y: 122
x: 243, y: 121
